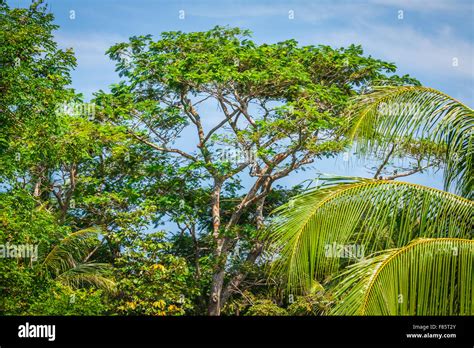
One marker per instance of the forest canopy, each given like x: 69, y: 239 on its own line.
x: 140, y: 202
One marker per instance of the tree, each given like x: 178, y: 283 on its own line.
x: 58, y: 262
x: 34, y: 74
x: 280, y: 108
x: 71, y: 261
x: 320, y: 235
x: 65, y: 178
x: 151, y: 280
x: 376, y: 216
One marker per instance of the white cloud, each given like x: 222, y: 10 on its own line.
x: 305, y: 11
x: 411, y: 49
x: 89, y: 48
x: 314, y: 11
x: 423, y: 5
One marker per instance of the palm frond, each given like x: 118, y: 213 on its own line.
x: 390, y: 114
x: 92, y: 274
x: 315, y: 230
x: 426, y: 277
x: 68, y: 262
x: 69, y: 251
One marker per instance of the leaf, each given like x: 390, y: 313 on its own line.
x: 368, y: 215
x: 67, y: 262
x: 95, y: 274
x: 390, y: 113
x: 426, y: 277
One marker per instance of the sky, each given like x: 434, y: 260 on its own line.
x: 432, y: 41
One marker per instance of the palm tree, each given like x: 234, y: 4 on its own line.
x: 372, y: 214
x: 389, y: 114
x: 69, y: 262
x: 426, y: 277
x: 386, y: 219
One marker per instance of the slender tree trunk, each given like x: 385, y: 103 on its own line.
x: 384, y: 163
x: 214, y: 307
x: 240, y: 277
x: 192, y: 230
x: 215, y: 300
x: 38, y: 174
x: 219, y: 297
x: 251, y: 257
x: 37, y: 188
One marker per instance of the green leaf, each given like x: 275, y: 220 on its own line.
x: 426, y: 277
x: 371, y: 215
x: 390, y: 113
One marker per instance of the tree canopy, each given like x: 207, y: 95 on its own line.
x: 156, y: 197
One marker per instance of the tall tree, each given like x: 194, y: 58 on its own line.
x: 280, y: 108
x: 34, y: 75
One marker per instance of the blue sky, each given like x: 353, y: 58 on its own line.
x: 427, y: 42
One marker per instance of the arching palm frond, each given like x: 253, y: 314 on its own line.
x: 68, y: 262
x: 391, y: 113
x: 94, y: 274
x: 314, y: 230
x: 69, y: 251
x: 426, y: 277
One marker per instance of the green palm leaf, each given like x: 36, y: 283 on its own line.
x: 68, y: 261
x: 426, y: 277
x: 69, y: 251
x: 393, y: 114
x: 95, y: 274
x: 370, y: 215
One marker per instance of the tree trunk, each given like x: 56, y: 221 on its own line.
x: 240, y: 277
x: 214, y: 307
x: 219, y: 296
x: 251, y: 257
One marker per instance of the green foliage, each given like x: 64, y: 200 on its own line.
x: 426, y: 277
x: 371, y: 214
x: 281, y: 104
x: 55, y: 267
x: 90, y: 189
x: 150, y: 281
x: 33, y: 79
x: 62, y: 300
x: 265, y: 308
x: 69, y: 262
x: 393, y: 114
x: 22, y: 221
x: 310, y: 304
x: 309, y: 87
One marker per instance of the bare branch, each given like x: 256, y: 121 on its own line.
x: 163, y: 149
